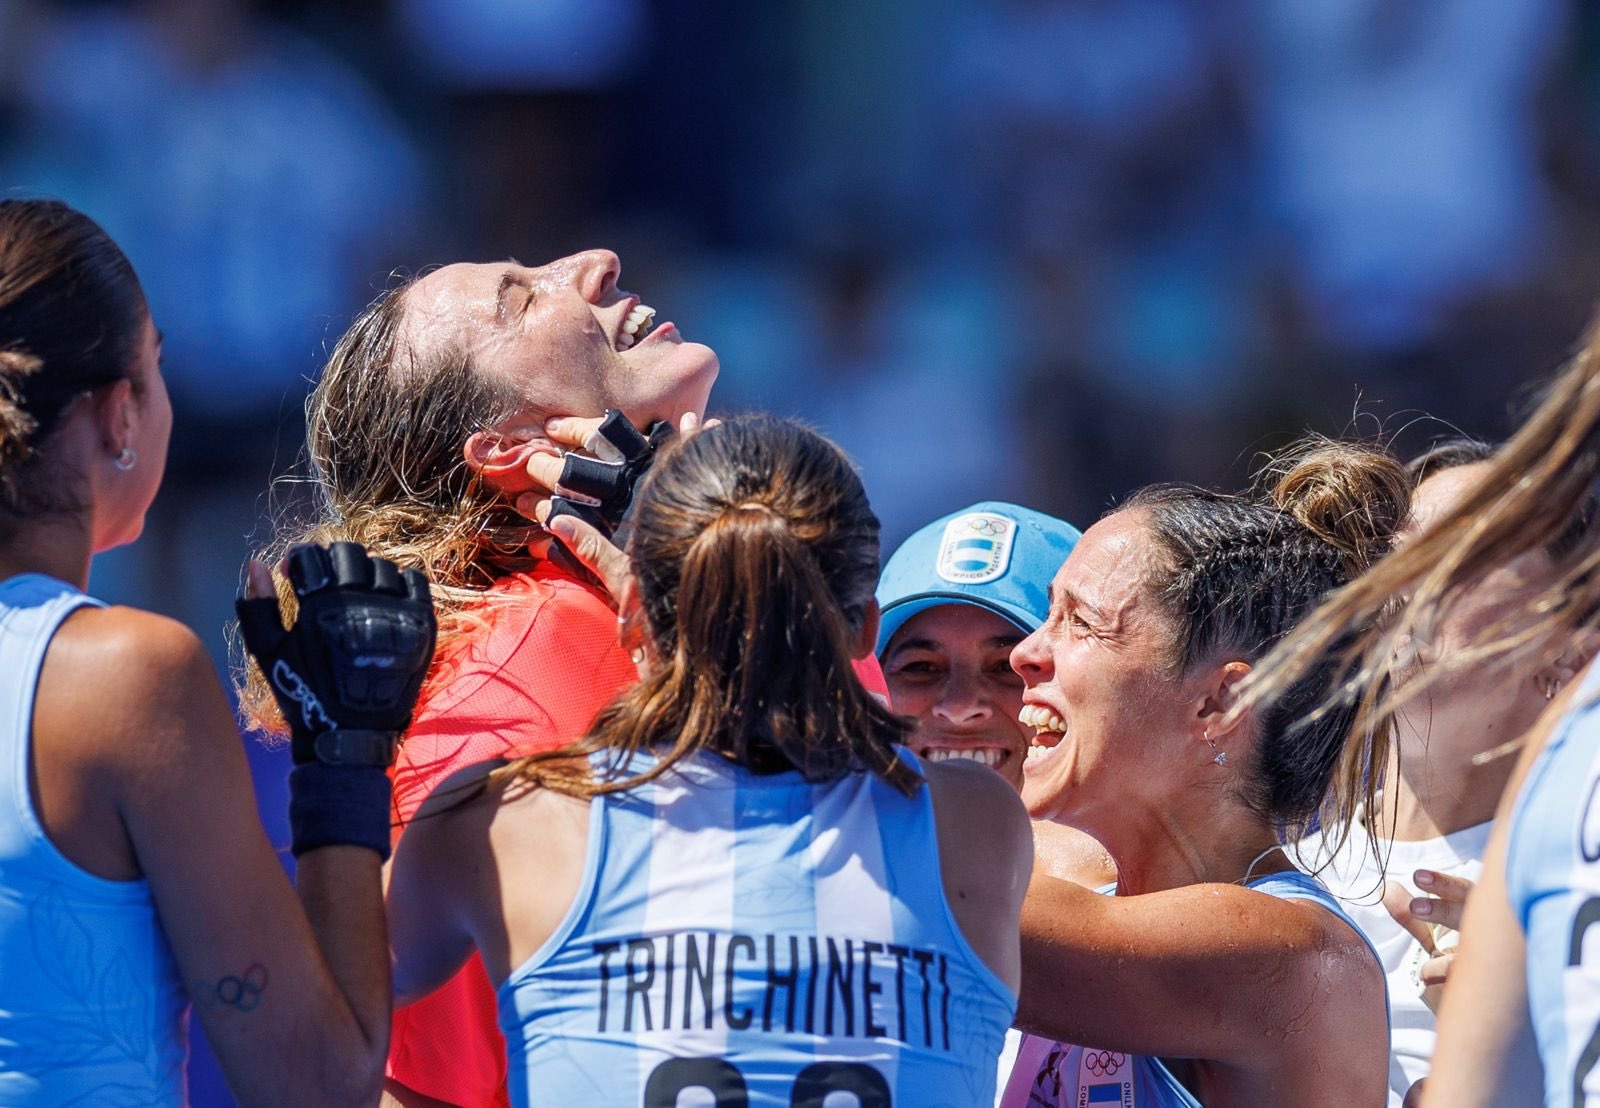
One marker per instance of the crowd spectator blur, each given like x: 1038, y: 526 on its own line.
x: 1132, y: 240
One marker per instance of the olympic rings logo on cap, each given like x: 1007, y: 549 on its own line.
x: 976, y: 548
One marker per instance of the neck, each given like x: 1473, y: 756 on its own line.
x: 1219, y: 841
x: 58, y: 546
x: 1427, y: 797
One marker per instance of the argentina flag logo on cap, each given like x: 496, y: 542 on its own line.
x: 976, y: 548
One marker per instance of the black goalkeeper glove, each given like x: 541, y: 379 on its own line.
x: 347, y: 674
x: 609, y: 482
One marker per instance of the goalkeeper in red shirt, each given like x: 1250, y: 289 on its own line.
x: 432, y: 420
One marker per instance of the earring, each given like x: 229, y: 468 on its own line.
x: 1218, y: 756
x: 126, y: 459
x: 1549, y: 686
x: 637, y: 654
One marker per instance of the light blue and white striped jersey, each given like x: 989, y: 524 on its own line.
x: 1553, y: 882
x: 1061, y: 1075
x: 762, y: 939
x: 92, y: 1009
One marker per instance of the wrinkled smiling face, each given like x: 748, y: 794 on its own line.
x: 950, y: 667
x: 563, y: 336
x: 1101, y: 698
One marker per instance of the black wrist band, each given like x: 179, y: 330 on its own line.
x: 355, y: 748
x: 339, y: 806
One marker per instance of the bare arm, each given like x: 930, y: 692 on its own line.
x: 295, y: 1002
x: 985, y: 857
x: 1486, y: 1054
x: 429, y: 932
x: 1227, y: 968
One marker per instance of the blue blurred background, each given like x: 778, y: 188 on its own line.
x: 1041, y: 250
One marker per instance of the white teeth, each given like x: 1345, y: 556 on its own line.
x: 986, y: 756
x: 1041, y: 718
x: 637, y: 324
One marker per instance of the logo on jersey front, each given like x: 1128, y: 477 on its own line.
x: 976, y: 548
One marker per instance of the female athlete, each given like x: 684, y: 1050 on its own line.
x: 1520, y: 1017
x: 738, y: 881
x: 1216, y: 974
x: 135, y: 879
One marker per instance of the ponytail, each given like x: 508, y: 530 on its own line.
x: 756, y: 554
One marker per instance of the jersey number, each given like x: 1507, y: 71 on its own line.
x: 1588, y: 915
x: 723, y: 1081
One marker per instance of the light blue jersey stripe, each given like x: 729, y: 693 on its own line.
x: 1553, y: 882
x: 757, y: 934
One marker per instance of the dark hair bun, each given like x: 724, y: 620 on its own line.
x: 1353, y: 497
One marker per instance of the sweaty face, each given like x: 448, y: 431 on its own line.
x: 1100, y: 696
x: 950, y: 667
x: 563, y: 336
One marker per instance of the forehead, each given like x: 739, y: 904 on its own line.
x: 1111, y: 561
x: 1436, y: 496
x: 463, y: 291
x: 957, y: 626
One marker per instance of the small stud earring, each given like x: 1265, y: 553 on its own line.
x: 126, y: 459
x: 1220, y: 757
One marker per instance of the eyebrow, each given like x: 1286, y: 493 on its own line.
x: 931, y: 644
x: 509, y: 280
x: 1079, y: 602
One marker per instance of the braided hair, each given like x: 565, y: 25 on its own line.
x: 1239, y: 572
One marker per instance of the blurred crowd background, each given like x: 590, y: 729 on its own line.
x: 1038, y: 250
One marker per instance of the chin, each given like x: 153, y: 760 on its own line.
x: 120, y: 536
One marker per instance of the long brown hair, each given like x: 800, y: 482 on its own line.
x: 385, y: 428
x: 755, y: 555
x: 1534, y: 491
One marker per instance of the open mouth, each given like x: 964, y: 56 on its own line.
x: 635, y: 325
x: 991, y: 756
x: 1048, y: 730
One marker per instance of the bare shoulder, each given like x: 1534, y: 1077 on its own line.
x: 1329, y: 961
x: 979, y: 812
x: 973, y: 791
x: 127, y: 650
x: 478, y: 806
x: 133, y: 679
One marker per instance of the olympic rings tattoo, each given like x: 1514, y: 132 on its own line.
x: 241, y: 991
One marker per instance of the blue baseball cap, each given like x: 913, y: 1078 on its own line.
x: 995, y: 555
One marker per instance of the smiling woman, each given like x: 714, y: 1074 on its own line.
x: 420, y: 435
x: 1155, y: 619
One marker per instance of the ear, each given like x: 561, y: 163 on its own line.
x: 1574, y: 658
x: 500, y: 454
x: 117, y: 416
x: 867, y: 638
x: 1220, y: 694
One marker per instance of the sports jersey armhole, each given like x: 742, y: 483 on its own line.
x: 958, y: 937
x: 1516, y: 894
x: 27, y: 814
x: 582, y: 900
